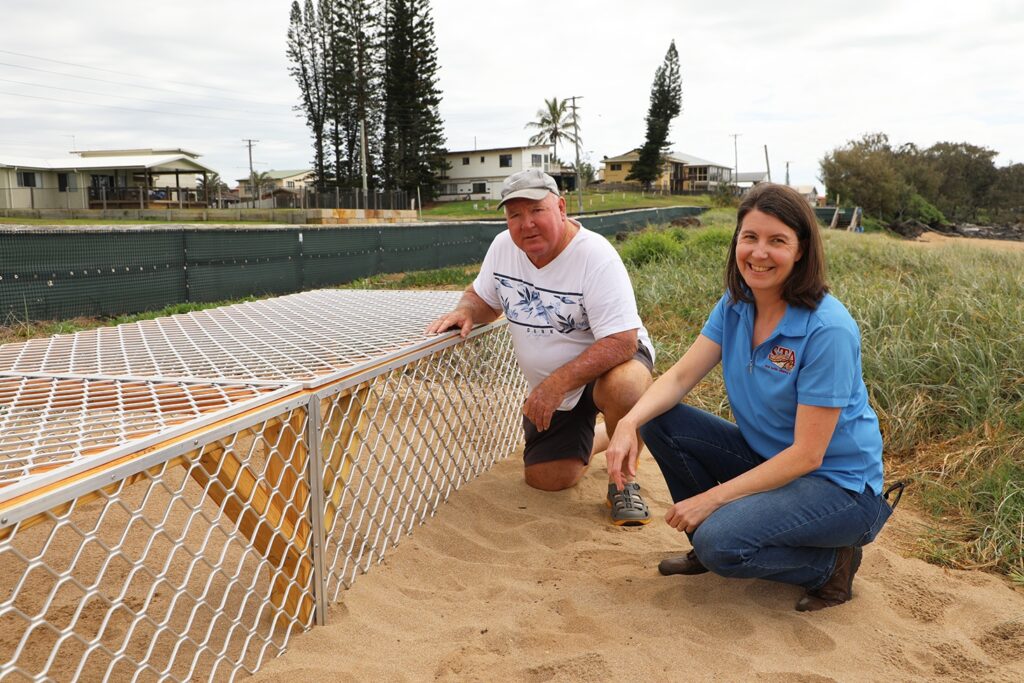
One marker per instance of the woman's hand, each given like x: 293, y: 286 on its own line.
x: 688, y: 514
x: 622, y: 454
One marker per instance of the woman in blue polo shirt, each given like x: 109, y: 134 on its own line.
x: 793, y: 489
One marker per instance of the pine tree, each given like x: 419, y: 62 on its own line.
x: 307, y: 50
x: 666, y: 103
x: 355, y: 88
x: 413, y: 136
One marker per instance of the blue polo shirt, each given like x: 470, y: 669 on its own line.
x: 812, y: 358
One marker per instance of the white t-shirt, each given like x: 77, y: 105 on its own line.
x: 556, y: 312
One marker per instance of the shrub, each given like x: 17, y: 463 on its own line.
x: 648, y: 246
x: 921, y: 209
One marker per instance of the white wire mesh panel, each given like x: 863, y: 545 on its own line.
x: 48, y: 423
x: 296, y: 338
x: 396, y: 446
x: 196, y: 568
x: 157, y: 519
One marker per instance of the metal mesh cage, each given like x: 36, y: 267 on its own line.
x: 177, y: 498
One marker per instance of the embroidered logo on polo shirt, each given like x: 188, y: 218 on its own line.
x: 784, y: 359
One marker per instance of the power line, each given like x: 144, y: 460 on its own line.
x: 111, y: 71
x: 120, y: 83
x: 128, y: 97
x: 140, y: 111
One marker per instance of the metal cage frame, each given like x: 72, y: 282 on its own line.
x: 180, y: 521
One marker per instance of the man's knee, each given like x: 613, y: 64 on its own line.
x: 554, y: 475
x: 620, y: 388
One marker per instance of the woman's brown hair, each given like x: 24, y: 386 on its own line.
x: 806, y: 284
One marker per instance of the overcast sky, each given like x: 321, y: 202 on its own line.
x: 801, y: 77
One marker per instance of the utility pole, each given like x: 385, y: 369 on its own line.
x: 735, y: 160
x: 767, y: 166
x: 252, y: 174
x: 362, y: 159
x: 787, y: 173
x: 576, y: 134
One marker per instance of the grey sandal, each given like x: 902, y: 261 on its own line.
x: 628, y: 507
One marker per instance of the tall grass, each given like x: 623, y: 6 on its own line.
x: 943, y: 357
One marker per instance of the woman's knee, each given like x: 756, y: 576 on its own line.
x: 719, y: 549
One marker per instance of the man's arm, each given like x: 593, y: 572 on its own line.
x: 603, y: 355
x: 471, y: 310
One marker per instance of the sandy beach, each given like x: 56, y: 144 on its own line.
x: 509, y: 583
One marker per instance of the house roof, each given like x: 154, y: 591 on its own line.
x: 805, y: 189
x: 752, y: 177
x: 282, y: 175
x: 135, y: 152
x: 72, y: 162
x: 497, y: 149
x: 676, y: 157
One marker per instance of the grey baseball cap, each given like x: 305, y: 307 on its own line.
x: 532, y: 183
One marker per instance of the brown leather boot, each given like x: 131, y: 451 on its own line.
x: 684, y: 564
x: 839, y: 587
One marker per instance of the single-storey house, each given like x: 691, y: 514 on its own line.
x: 478, y: 173
x: 290, y: 181
x: 99, y: 179
x: 748, y: 179
x: 681, y: 172
x: 810, y: 193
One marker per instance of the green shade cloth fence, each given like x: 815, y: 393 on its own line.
x: 55, y: 273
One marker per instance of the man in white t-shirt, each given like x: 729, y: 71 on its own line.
x: 577, y: 335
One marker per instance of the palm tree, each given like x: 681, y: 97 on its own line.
x: 555, y: 122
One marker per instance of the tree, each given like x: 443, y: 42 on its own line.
x: 864, y: 173
x: 1008, y: 193
x: 968, y: 175
x: 355, y: 89
x: 666, y: 104
x: 412, y: 151
x: 308, y: 51
x: 555, y: 123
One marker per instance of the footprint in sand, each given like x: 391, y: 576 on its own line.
x: 1004, y: 642
x: 586, y: 667
x: 912, y: 600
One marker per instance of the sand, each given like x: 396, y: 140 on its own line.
x: 509, y: 583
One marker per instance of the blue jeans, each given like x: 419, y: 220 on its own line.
x: 789, y: 534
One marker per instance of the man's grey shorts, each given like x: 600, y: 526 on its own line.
x: 571, y: 433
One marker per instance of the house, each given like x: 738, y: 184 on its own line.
x: 478, y: 173
x: 746, y: 180
x: 809, y: 192
x: 99, y: 179
x: 293, y: 182
x: 681, y: 172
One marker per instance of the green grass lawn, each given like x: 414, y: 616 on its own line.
x: 593, y: 202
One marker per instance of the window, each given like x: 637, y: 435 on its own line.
x: 291, y: 184
x: 505, y: 160
x: 67, y: 182
x: 481, y: 160
x: 479, y: 188
x: 615, y: 167
x: 26, y: 179
x: 546, y: 158
x: 465, y: 161
x: 535, y: 160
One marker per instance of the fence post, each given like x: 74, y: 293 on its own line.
x: 315, y: 479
